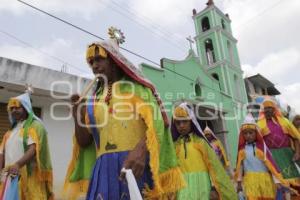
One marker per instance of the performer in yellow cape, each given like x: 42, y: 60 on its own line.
x: 79, y: 171
x: 282, y: 138
x: 217, y: 146
x: 205, y: 176
x: 24, y: 151
x: 256, y: 169
x: 128, y: 128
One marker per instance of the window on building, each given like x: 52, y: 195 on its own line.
x: 230, y: 52
x: 237, y: 87
x: 257, y: 90
x: 223, y: 24
x: 205, y: 24
x: 216, y: 77
x: 4, y: 123
x: 198, y: 90
x: 209, y: 51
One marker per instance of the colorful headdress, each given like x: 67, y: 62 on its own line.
x: 22, y: 100
x: 207, y: 130
x: 112, y: 50
x: 278, y: 118
x: 217, y: 146
x: 183, y: 112
x: 93, y: 51
x: 262, y: 152
x: 249, y: 123
x: 116, y: 37
x: 13, y: 102
x: 269, y: 103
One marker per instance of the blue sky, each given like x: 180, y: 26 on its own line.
x: 267, y: 32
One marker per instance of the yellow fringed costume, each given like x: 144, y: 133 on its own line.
x: 134, y: 111
x: 218, y: 147
x: 36, y: 177
x: 280, y: 135
x: 255, y: 166
x: 200, y: 165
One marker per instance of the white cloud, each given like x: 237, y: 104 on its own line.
x: 249, y: 70
x: 168, y: 17
x: 263, y: 27
x: 260, y: 27
x: 268, y: 31
x: 54, y: 55
x: 280, y: 67
x: 249, y: 13
x: 244, y: 11
x: 167, y: 12
x: 269, y: 43
x: 85, y: 8
x: 290, y: 94
x: 13, y: 6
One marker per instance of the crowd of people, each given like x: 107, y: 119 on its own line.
x: 123, y: 125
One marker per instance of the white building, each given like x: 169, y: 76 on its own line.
x: 52, y: 90
x: 258, y: 85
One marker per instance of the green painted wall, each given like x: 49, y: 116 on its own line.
x: 192, y: 77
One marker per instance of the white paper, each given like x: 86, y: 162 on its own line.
x: 133, y: 188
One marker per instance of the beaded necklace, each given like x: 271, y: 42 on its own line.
x: 109, y: 94
x: 110, y: 144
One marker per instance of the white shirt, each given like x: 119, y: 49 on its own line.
x: 14, y: 150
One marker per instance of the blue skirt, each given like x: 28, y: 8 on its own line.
x: 105, y: 183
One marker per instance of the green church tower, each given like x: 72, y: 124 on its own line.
x: 217, y: 49
x: 211, y: 79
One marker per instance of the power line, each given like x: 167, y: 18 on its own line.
x: 42, y: 52
x: 68, y: 23
x: 240, y: 27
x: 85, y: 31
x: 147, y: 20
x: 62, y: 61
x: 258, y: 15
x: 59, y: 19
x: 162, y: 35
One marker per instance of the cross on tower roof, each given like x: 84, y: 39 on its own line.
x: 191, y: 41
